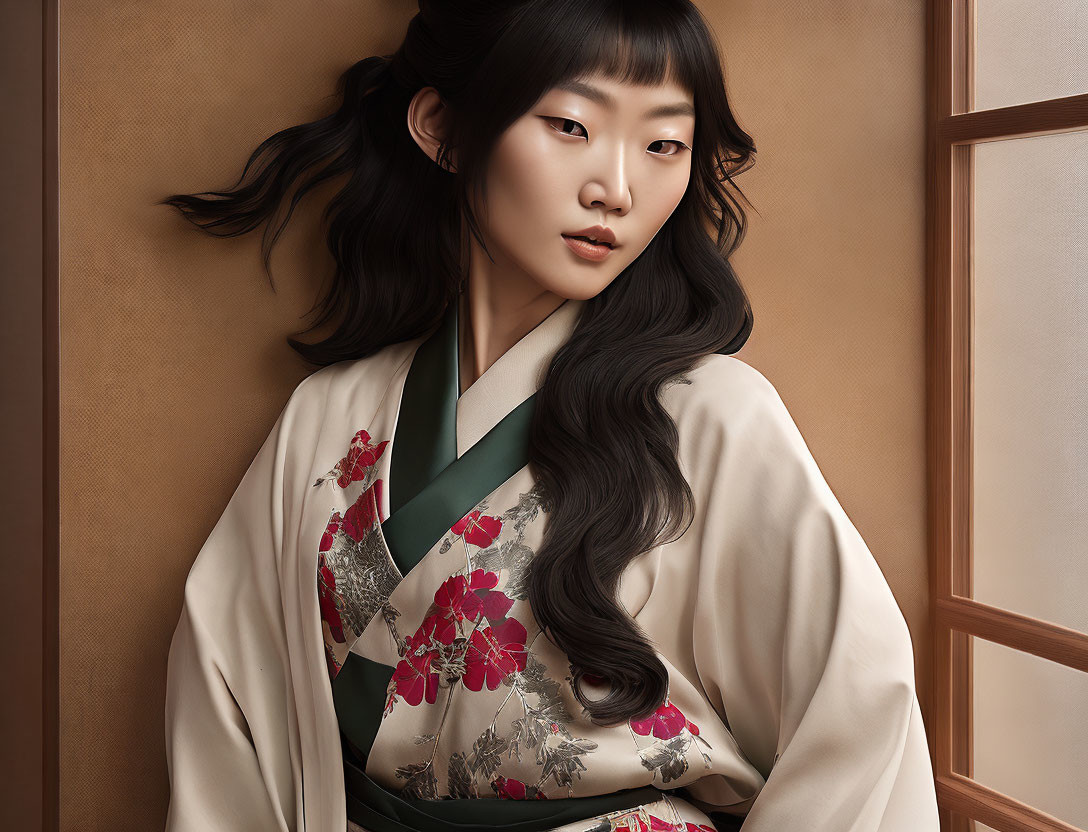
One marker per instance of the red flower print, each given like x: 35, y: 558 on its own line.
x: 362, y: 454
x: 495, y: 605
x: 330, y: 532
x: 361, y: 515
x: 665, y: 723
x: 494, y: 653
x: 459, y: 598
x: 437, y: 626
x: 414, y: 679
x: 414, y: 676
x: 510, y: 789
x: 478, y: 529
x: 326, y: 589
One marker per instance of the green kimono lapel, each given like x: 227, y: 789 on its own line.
x: 430, y: 487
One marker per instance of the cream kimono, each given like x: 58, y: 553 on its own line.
x: 356, y: 649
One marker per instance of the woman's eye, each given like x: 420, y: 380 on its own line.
x: 679, y: 146
x: 567, y: 125
x: 565, y: 122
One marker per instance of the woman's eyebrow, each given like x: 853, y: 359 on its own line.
x: 596, y: 94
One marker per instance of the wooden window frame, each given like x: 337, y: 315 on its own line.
x: 952, y: 131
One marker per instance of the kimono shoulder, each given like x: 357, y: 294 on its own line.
x: 361, y: 383
x: 335, y: 399
x: 727, y: 397
x: 796, y: 639
x: 733, y: 424
x: 242, y: 712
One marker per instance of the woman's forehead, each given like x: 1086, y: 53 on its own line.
x: 669, y: 97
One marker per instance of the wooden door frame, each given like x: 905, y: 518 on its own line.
x: 29, y: 418
x: 952, y: 131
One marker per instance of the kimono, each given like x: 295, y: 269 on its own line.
x: 356, y: 650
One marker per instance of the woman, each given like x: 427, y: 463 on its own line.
x: 532, y: 550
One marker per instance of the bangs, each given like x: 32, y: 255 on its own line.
x: 636, y: 43
x: 633, y: 41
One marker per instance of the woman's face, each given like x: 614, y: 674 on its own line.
x: 593, y: 152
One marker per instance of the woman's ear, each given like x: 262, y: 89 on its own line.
x: 427, y: 115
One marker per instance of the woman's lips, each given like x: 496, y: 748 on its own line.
x: 586, y: 249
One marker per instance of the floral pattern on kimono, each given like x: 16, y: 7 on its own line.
x: 354, y: 574
x: 477, y: 634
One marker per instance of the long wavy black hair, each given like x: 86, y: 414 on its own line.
x: 602, y: 447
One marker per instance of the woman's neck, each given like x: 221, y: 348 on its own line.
x: 494, y: 315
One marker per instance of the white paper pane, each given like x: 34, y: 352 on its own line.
x: 1030, y: 359
x: 1030, y: 734
x: 1029, y: 50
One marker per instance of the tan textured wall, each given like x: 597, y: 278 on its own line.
x: 173, y: 364
x: 833, y: 94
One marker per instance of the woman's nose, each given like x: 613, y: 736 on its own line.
x: 609, y: 185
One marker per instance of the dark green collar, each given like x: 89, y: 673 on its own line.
x: 430, y: 488
x: 425, y: 441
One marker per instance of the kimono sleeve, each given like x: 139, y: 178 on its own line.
x: 229, y: 718
x: 802, y: 642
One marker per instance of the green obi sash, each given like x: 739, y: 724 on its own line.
x: 430, y: 490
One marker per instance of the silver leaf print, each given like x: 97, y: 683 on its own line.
x: 421, y: 780
x: 667, y: 759
x: 460, y: 779
x: 486, y: 752
x: 563, y: 761
x: 364, y: 576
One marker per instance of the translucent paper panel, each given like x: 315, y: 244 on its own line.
x: 1029, y: 50
x: 1030, y: 734
x: 1030, y: 358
